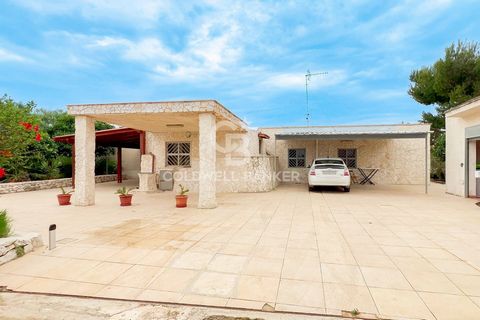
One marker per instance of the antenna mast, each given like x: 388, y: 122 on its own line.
x: 308, y: 77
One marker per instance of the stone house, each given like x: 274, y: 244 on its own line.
x: 207, y: 148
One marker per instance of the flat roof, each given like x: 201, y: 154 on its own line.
x: 116, y: 137
x: 355, y: 132
x: 466, y: 107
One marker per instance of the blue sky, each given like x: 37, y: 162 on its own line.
x: 250, y: 56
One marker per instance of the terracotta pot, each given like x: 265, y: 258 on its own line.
x: 181, y: 201
x: 125, y: 200
x: 64, y: 199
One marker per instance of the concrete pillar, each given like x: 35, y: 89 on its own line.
x: 84, y: 161
x: 207, y: 157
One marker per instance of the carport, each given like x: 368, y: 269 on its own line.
x: 344, y: 134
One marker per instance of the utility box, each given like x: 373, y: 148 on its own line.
x: 165, y: 180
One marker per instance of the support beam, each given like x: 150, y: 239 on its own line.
x: 207, y: 157
x: 142, y: 143
x: 119, y: 165
x: 84, y: 161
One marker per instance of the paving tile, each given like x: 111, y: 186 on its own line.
x: 400, y: 251
x: 261, y: 289
x: 400, y: 303
x: 263, y: 267
x: 406, y: 264
x: 431, y: 282
x: 374, y: 260
x: 302, y: 268
x: 137, y: 276
x: 301, y: 293
x: 80, y: 288
x: 204, y: 300
x: 159, y: 296
x: 385, y: 278
x: 454, y: 266
x: 338, y: 273
x: 268, y: 252
x: 435, y: 253
x: 236, y: 249
x: 467, y: 283
x: 128, y: 255
x: 191, y: 260
x: 118, y: 292
x: 172, y: 279
x: 156, y: 257
x: 12, y: 282
x: 227, y: 263
x: 348, y: 297
x: 450, y: 307
x: 104, y: 273
x: 214, y: 284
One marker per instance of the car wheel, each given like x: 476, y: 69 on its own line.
x: 346, y: 189
x: 310, y: 188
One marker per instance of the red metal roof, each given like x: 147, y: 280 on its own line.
x: 118, y: 137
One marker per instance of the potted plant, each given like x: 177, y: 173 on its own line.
x: 64, y: 197
x: 125, y: 196
x: 182, y: 197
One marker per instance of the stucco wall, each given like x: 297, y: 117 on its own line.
x: 455, y: 150
x: 401, y: 161
x: 239, y: 166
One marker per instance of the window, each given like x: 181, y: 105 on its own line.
x: 178, y: 154
x: 349, y: 156
x: 296, y: 158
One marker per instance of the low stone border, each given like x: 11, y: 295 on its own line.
x: 17, y: 245
x: 13, y: 187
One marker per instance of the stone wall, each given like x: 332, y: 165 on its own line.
x: 17, y: 245
x: 47, y: 184
x: 400, y: 161
x: 239, y: 167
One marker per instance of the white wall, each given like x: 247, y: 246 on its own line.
x: 130, y: 163
x: 456, y: 124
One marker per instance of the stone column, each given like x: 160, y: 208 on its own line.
x: 207, y: 156
x: 84, y: 161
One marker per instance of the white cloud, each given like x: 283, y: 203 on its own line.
x: 6, y: 55
x: 296, y: 80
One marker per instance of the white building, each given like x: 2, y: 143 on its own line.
x: 462, y: 149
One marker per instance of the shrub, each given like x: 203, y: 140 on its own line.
x: 5, y: 224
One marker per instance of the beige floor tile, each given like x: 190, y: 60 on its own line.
x: 80, y: 288
x: 431, y: 282
x: 476, y: 300
x: 227, y: 263
x: 302, y: 268
x: 308, y: 243
x: 68, y: 251
x: 301, y: 293
x: 128, y: 255
x: 236, y: 249
x: 99, y: 253
x: 300, y: 309
x: 347, y: 297
x: 204, y: 300
x: 435, y: 253
x: 12, y: 282
x: 191, y: 260
x: 295, y: 253
x: 385, y: 278
x: 159, y: 296
x: 118, y: 292
x: 374, y: 260
x: 71, y: 269
x: 137, y: 276
x: 266, y: 241
x: 43, y: 285
x: 454, y: 266
x: 400, y: 304
x: 104, y: 273
x: 337, y: 256
x: 214, y: 284
x: 257, y: 288
x: 450, y: 307
x: 156, y: 257
x: 207, y: 247
x: 173, y: 280
x: 467, y: 283
x: 32, y: 265
x: 263, y: 267
x: 406, y: 264
x: 400, y: 251
x: 247, y: 304
x: 268, y: 252
x: 345, y: 274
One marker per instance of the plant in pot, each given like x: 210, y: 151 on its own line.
x: 64, y: 197
x: 125, y: 196
x: 182, y: 197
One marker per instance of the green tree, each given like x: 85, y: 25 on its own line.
x: 450, y: 81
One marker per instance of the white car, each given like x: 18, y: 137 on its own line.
x: 329, y: 172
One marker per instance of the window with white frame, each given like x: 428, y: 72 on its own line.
x: 349, y: 156
x: 296, y: 158
x: 178, y: 154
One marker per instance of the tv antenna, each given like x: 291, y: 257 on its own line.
x: 308, y: 77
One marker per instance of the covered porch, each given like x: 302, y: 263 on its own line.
x: 192, y: 125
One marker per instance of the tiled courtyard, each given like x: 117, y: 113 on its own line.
x: 389, y: 251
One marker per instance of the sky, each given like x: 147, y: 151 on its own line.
x: 251, y: 56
